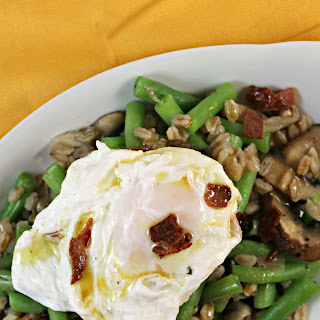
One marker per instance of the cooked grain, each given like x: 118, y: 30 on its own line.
x: 262, y: 186
x: 31, y: 201
x: 181, y: 120
x: 245, y: 259
x: 207, y: 312
x: 15, y: 194
x: 216, y: 274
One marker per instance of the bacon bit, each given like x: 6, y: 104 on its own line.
x: 217, y: 196
x: 272, y: 255
x: 144, y: 148
x: 268, y: 223
x: 245, y: 221
x: 77, y: 251
x: 253, y: 124
x: 265, y: 100
x: 24, y: 318
x: 169, y: 237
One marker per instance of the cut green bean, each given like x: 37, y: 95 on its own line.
x: 254, y: 248
x: 245, y: 185
x: 6, y: 285
x: 316, y: 197
x: 5, y: 274
x: 3, y: 294
x: 21, y: 303
x: 225, y: 287
x: 57, y: 315
x: 114, y: 142
x: 54, y: 176
x: 197, y: 141
x: 235, y: 141
x: 167, y: 109
x: 6, y: 261
x: 292, y: 271
x: 219, y: 306
x: 265, y: 296
x: 306, y: 218
x: 188, y: 308
x: 262, y: 145
x: 210, y: 106
x: 145, y: 89
x: 14, y: 209
x: 135, y: 116
x: 291, y: 300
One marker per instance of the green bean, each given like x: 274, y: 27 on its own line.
x: 235, y: 141
x: 265, y: 296
x: 135, y: 115
x: 292, y: 270
x: 145, y: 88
x: 306, y: 218
x: 262, y: 145
x: 6, y: 261
x: 210, y: 106
x: 14, y: 209
x: 57, y: 315
x: 5, y: 274
x: 187, y: 309
x: 167, y: 109
x: 197, y: 141
x: 6, y: 285
x: 114, y: 142
x: 245, y: 185
x: 255, y: 248
x: 3, y: 294
x: 219, y: 306
x: 54, y: 176
x: 21, y: 303
x: 222, y: 288
x: 291, y: 300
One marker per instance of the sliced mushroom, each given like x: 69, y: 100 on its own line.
x: 284, y: 178
x: 76, y: 138
x: 300, y: 146
x: 110, y: 124
x: 237, y: 311
x: 274, y: 124
x: 288, y: 231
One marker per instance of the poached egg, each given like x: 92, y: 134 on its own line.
x: 125, y: 193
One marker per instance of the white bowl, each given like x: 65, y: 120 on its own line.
x: 25, y: 148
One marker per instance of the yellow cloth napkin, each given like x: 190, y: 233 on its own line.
x: 48, y: 46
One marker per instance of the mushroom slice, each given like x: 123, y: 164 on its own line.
x: 284, y: 178
x: 275, y: 123
x: 288, y: 231
x: 300, y: 146
x: 110, y: 124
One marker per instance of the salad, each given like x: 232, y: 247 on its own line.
x: 266, y: 147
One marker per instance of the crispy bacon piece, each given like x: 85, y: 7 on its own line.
x: 77, y: 251
x: 265, y: 100
x: 217, y: 196
x: 253, y: 124
x: 268, y: 224
x: 169, y: 237
x: 245, y: 221
x: 144, y: 148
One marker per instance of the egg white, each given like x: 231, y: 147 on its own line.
x: 125, y: 193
